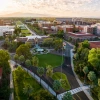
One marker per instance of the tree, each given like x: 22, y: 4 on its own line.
x: 85, y: 44
x: 12, y: 46
x: 49, y: 71
x: 22, y: 59
x: 6, y: 43
x: 43, y: 95
x: 35, y: 61
x: 85, y: 70
x: 28, y: 90
x: 94, y: 58
x: 67, y: 96
x: 91, y: 76
x: 40, y: 71
x: 16, y: 58
x: 17, y: 31
x: 48, y: 42
x: 28, y: 63
x: 24, y: 50
x: 56, y: 85
x: 98, y: 82
x: 28, y: 44
x: 58, y: 44
x: 4, y: 57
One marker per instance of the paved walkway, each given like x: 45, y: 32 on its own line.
x: 80, y: 83
x: 74, y: 91
x: 32, y: 32
x: 11, y: 80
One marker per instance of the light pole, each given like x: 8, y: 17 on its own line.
x: 63, y: 47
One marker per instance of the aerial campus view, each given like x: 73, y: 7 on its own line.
x: 49, y: 50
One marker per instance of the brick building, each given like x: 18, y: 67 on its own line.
x: 94, y: 44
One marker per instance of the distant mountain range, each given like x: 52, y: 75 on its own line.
x: 19, y: 14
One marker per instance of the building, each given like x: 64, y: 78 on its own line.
x: 80, y: 36
x: 31, y: 39
x: 6, y: 29
x: 94, y: 44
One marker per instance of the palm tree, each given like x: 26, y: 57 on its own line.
x: 56, y: 85
x: 85, y: 70
x: 40, y: 71
x: 28, y: 90
x: 49, y: 72
x: 92, y: 76
x: 67, y: 96
x: 35, y: 61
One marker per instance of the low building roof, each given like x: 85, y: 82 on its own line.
x: 80, y: 34
x: 95, y: 44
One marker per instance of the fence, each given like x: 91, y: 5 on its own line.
x: 44, y: 84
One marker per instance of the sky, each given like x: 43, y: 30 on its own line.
x: 56, y: 8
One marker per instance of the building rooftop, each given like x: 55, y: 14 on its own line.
x: 94, y: 44
x: 80, y: 34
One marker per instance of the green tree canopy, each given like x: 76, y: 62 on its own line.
x: 56, y: 85
x: 16, y: 57
x: 35, y: 61
x: 49, y: 71
x: 91, y: 76
x: 67, y: 96
x: 58, y: 43
x: 85, y: 44
x: 94, y: 58
x: 4, y: 57
x: 24, y: 50
x: 40, y: 71
x: 21, y: 58
x: 48, y: 42
x: 85, y: 70
x: 28, y: 63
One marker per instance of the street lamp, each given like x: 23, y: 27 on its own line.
x: 64, y: 47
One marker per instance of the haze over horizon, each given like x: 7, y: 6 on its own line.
x: 50, y: 8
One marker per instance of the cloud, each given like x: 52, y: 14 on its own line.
x: 54, y: 7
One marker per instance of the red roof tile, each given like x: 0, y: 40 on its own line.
x: 79, y: 34
x: 95, y: 44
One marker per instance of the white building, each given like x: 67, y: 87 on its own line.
x: 9, y: 29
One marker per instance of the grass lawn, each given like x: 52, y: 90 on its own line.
x: 64, y: 82
x: 25, y: 31
x: 49, y: 59
x: 18, y: 86
x: 19, y: 23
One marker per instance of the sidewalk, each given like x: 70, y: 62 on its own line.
x: 11, y: 81
x: 80, y: 83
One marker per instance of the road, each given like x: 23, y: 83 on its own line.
x: 32, y: 32
x: 66, y: 69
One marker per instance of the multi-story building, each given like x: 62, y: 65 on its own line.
x: 6, y: 29
x: 80, y: 36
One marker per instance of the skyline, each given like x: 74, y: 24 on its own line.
x: 52, y: 8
